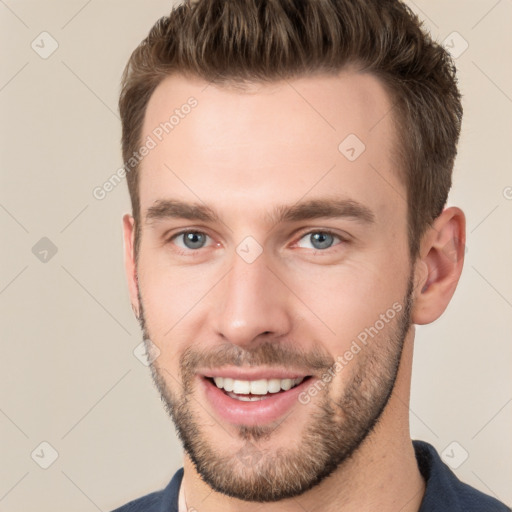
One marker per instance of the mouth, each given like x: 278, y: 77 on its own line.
x: 259, y: 398
x: 254, y: 390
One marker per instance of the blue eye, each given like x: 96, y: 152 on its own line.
x: 191, y: 239
x: 319, y: 240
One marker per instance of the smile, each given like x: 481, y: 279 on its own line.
x: 254, y: 390
x: 252, y: 396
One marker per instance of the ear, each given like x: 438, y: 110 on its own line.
x: 438, y: 268
x: 129, y: 261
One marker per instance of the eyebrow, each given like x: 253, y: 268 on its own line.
x: 306, y: 210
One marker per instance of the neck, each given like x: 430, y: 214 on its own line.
x: 382, y: 474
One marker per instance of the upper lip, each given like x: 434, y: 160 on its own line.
x: 252, y: 373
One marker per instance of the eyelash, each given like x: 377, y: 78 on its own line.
x: 195, y: 252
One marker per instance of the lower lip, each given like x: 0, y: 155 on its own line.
x: 252, y: 413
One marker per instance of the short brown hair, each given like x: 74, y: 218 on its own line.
x: 237, y: 41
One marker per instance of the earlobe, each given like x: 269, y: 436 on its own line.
x: 439, y: 267
x: 129, y: 261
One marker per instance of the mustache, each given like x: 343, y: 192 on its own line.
x: 267, y: 353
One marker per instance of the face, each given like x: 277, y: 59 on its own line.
x: 273, y: 274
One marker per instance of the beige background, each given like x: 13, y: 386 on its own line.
x: 68, y: 373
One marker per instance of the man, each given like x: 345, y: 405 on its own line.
x: 288, y: 165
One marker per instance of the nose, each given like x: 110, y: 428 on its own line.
x: 251, y: 303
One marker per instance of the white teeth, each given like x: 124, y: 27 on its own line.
x: 241, y: 387
x: 255, y: 387
x: 247, y: 398
x: 286, y: 384
x: 258, y: 387
x: 228, y: 384
x: 274, y: 385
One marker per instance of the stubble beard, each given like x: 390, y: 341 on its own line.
x: 336, y: 428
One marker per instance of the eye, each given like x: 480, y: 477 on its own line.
x: 190, y: 239
x: 319, y: 240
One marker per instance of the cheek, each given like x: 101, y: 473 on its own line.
x: 343, y: 302
x: 171, y: 298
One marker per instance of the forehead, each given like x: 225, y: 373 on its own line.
x: 270, y: 142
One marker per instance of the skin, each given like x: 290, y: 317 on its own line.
x: 242, y: 154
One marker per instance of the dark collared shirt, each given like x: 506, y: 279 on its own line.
x: 444, y: 491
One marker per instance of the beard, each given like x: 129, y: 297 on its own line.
x: 336, y: 425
